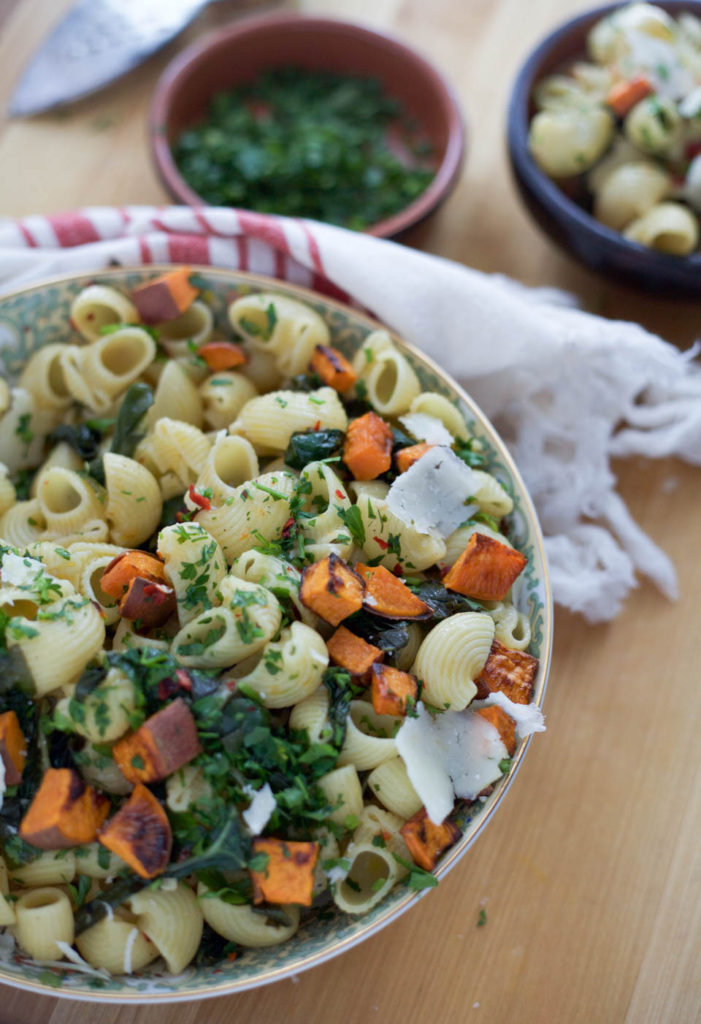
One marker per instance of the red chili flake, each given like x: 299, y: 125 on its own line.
x: 157, y: 592
x: 287, y: 528
x: 692, y: 149
x: 339, y: 494
x: 443, y: 570
x: 184, y: 681
x: 383, y: 543
x: 398, y: 571
x: 317, y: 424
x: 231, y: 684
x: 231, y: 957
x: 198, y: 499
x: 90, y: 316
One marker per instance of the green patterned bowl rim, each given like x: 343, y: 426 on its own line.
x: 18, y: 319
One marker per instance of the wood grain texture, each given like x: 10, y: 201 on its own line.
x: 589, y: 874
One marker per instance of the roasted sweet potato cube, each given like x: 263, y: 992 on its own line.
x: 486, y: 569
x: 147, y: 603
x: 13, y: 748
x: 511, y: 672
x: 64, y: 811
x: 406, y: 457
x: 165, y: 742
x: 368, y: 448
x: 222, y: 355
x: 387, y: 596
x: 333, y: 368
x: 331, y: 589
x: 140, y: 834
x: 391, y: 689
x: 503, y: 723
x: 166, y: 297
x: 426, y: 840
x: 288, y: 877
x: 352, y: 652
x: 117, y: 576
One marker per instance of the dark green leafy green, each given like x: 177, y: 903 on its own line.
x: 307, y: 144
x: 128, y: 429
x: 80, y: 437
x: 470, y: 453
x: 312, y: 446
x: 441, y: 601
x: 389, y: 636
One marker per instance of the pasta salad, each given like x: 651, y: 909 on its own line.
x: 256, y: 629
x: 622, y: 130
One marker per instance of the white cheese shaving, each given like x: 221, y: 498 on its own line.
x: 692, y: 184
x: 128, y: 949
x: 426, y: 428
x: 338, y: 872
x: 418, y: 746
x: 169, y: 884
x: 3, y: 785
x: 471, y: 749
x: 690, y: 106
x: 458, y: 753
x: 77, y: 963
x: 257, y: 814
x: 528, y: 717
x: 434, y: 493
x: 19, y: 570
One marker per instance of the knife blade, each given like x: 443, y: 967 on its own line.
x: 96, y: 42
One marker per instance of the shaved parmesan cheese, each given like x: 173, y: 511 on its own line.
x: 471, y: 749
x: 262, y: 805
x: 77, y: 963
x: 339, y: 871
x: 19, y: 570
x: 128, y: 949
x: 434, y: 493
x: 528, y: 717
x: 426, y: 428
x: 418, y: 746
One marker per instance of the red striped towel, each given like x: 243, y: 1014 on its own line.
x: 567, y: 389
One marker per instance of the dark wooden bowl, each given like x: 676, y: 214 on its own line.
x: 238, y: 53
x: 568, y: 224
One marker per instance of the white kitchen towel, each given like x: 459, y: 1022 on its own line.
x: 567, y: 390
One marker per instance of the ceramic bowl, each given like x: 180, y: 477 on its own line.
x: 39, y: 315
x: 568, y: 224
x: 238, y: 53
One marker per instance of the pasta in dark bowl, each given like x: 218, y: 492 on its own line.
x: 604, y: 139
x: 275, y: 629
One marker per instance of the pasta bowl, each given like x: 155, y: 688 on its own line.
x: 38, y: 316
x: 568, y: 223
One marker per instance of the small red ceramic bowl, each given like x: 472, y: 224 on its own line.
x: 238, y: 53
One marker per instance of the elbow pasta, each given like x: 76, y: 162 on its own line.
x: 188, y: 484
x: 629, y: 118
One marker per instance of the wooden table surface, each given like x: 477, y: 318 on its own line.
x: 589, y: 874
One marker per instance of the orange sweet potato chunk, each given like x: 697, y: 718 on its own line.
x: 387, y: 596
x: 331, y: 589
x: 288, y: 876
x: 486, y: 569
x: 368, y: 448
x: 623, y: 96
x: 352, y: 652
x: 165, y: 742
x: 147, y: 603
x: 140, y: 834
x: 64, y: 812
x: 503, y: 723
x: 425, y: 840
x: 406, y: 457
x: 166, y: 297
x: 117, y: 576
x: 392, y: 690
x: 511, y: 672
x: 222, y: 355
x: 13, y: 748
x: 333, y: 368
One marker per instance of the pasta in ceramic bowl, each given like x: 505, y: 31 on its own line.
x: 275, y: 629
x: 604, y: 138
